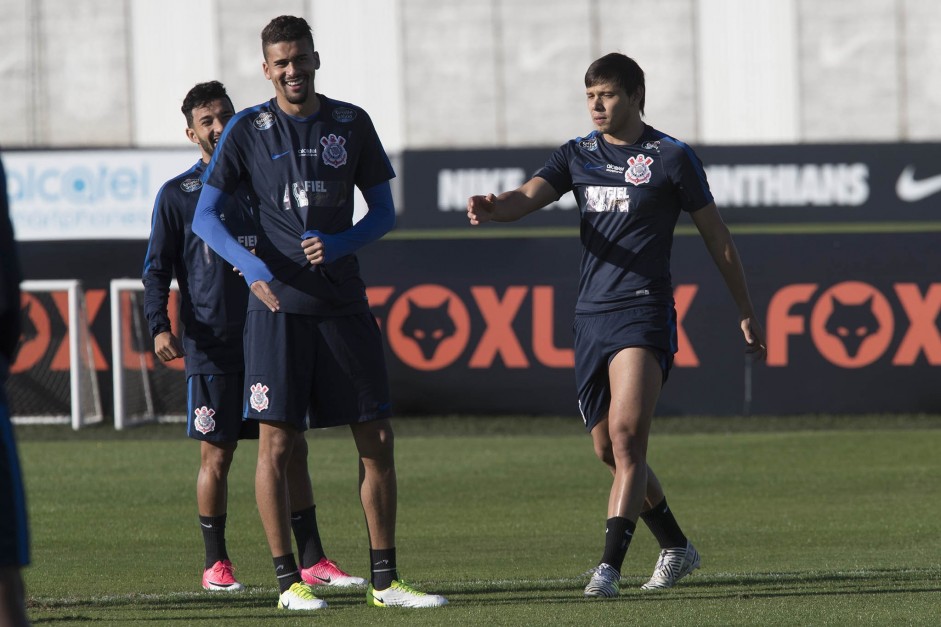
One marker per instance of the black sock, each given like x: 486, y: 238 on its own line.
x: 663, y: 525
x: 307, y: 535
x: 285, y: 569
x: 618, y: 532
x: 382, y: 569
x: 214, y: 538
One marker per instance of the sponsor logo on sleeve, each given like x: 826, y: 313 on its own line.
x: 191, y: 185
x: 344, y: 114
x: 265, y: 120
x: 590, y: 145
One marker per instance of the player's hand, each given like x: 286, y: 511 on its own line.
x: 263, y: 293
x: 167, y: 346
x: 480, y: 209
x: 754, y: 338
x: 313, y: 250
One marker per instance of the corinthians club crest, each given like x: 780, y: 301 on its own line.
x: 259, y: 398
x: 203, y: 421
x: 638, y: 169
x: 334, y: 151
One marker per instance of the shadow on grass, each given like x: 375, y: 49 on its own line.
x: 252, y: 597
x: 257, y: 602
x: 733, y: 586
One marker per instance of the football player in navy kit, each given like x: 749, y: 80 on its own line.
x: 630, y: 181
x: 212, y: 311
x: 312, y: 346
x: 14, y: 527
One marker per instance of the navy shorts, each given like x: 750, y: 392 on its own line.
x: 14, y: 532
x: 215, y: 408
x: 599, y: 337
x: 330, y: 370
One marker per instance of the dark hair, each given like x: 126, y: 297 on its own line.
x: 201, y: 95
x: 286, y: 28
x: 619, y: 69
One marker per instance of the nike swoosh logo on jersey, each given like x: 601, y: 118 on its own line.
x: 279, y: 155
x: 592, y: 166
x: 911, y: 190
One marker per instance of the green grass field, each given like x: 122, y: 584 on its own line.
x: 811, y: 521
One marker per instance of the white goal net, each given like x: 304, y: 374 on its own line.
x: 54, y: 378
x: 145, y: 389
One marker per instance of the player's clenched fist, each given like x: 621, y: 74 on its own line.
x: 168, y: 346
x: 313, y: 250
x: 480, y: 208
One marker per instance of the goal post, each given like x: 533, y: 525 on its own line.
x: 145, y: 389
x: 54, y: 378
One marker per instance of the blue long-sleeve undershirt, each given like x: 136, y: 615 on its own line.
x: 209, y: 227
x: 378, y: 221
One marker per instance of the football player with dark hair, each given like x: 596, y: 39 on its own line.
x: 312, y: 346
x: 212, y: 311
x: 631, y: 182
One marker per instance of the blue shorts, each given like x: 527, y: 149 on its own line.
x: 599, y: 337
x: 14, y: 531
x: 214, y: 402
x: 330, y: 370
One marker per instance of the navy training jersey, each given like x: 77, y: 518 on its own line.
x: 213, y: 297
x: 629, y: 198
x: 303, y: 171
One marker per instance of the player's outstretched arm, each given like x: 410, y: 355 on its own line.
x: 510, y: 206
x: 719, y: 243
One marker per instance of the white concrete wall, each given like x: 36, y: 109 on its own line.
x: 747, y: 71
x: 16, y: 75
x: 361, y: 60
x: 168, y: 57
x: 849, y: 62
x: 484, y: 73
x: 79, y: 76
x: 920, y: 71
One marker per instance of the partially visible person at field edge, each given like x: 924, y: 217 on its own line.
x: 213, y: 302
x: 312, y: 346
x: 14, y: 528
x: 630, y: 182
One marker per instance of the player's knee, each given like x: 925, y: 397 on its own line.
x: 217, y: 459
x: 374, y: 440
x: 628, y: 448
